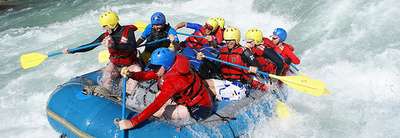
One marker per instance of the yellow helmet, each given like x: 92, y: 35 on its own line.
x: 232, y: 33
x: 109, y: 18
x: 255, y: 34
x: 221, y: 21
x: 213, y: 23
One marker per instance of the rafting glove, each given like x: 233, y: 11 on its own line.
x: 200, y: 56
x: 253, y: 69
x: 259, y: 86
x: 108, y: 42
x: 125, y: 72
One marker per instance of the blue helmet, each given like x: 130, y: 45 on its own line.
x: 162, y: 57
x: 281, y: 33
x: 158, y: 18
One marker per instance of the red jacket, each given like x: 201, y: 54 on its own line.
x: 197, y: 42
x: 180, y: 84
x: 286, y: 52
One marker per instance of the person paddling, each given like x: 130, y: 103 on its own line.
x: 283, y: 49
x: 121, y: 44
x: 181, y: 95
x: 156, y: 30
x: 269, y: 60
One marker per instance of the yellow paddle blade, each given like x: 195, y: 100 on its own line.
x: 281, y: 110
x: 140, y: 25
x: 32, y: 60
x: 103, y: 56
x: 303, y: 84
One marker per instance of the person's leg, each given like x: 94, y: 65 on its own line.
x: 108, y: 76
x: 211, y: 85
x: 176, y: 113
x: 131, y: 84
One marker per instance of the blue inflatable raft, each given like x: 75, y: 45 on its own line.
x: 74, y: 114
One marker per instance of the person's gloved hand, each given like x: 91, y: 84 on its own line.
x: 107, y: 42
x: 125, y: 124
x: 125, y: 72
x: 259, y: 86
x: 253, y: 69
x: 264, y: 87
x: 65, y: 51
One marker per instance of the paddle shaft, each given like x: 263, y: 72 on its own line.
x: 235, y: 65
x: 123, y: 102
x: 154, y: 42
x: 190, y: 35
x: 55, y: 53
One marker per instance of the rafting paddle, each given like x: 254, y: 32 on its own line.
x: 34, y: 59
x: 300, y: 83
x: 124, y: 79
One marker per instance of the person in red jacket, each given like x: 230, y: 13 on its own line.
x: 121, y: 44
x: 207, y: 30
x: 219, y: 32
x: 268, y: 59
x: 286, y: 51
x: 181, y: 95
x: 234, y: 53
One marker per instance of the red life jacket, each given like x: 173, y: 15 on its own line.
x: 266, y: 64
x: 123, y: 57
x: 234, y: 56
x: 196, y: 42
x: 181, y: 76
x: 285, y: 53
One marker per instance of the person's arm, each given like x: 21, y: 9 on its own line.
x: 194, y: 26
x: 166, y: 92
x: 219, y: 35
x: 180, y: 25
x: 172, y: 31
x: 143, y: 75
x: 98, y: 40
x: 145, y: 34
x: 270, y: 54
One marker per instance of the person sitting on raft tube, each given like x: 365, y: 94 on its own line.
x: 157, y: 29
x: 234, y: 53
x: 181, y: 95
x: 269, y: 60
x: 286, y: 51
x: 121, y: 44
x: 209, y: 27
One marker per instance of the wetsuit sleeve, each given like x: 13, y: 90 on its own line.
x: 146, y: 32
x: 98, y: 40
x: 270, y: 54
x: 249, y: 58
x: 193, y: 26
x: 173, y: 32
x: 140, y: 41
x: 166, y: 92
x: 143, y: 75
